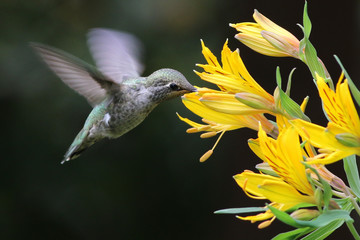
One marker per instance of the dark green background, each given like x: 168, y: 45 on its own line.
x: 149, y: 183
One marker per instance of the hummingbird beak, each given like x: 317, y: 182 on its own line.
x: 191, y: 89
x: 194, y: 89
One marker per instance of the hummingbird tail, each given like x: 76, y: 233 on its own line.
x: 80, y: 143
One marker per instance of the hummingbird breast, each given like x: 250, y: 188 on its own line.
x: 125, y: 111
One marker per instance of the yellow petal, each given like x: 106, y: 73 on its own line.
x: 227, y: 103
x: 197, y: 127
x: 260, y: 45
x: 270, y: 26
x: 194, y: 105
x: 282, y: 192
x: 339, y: 105
x: 316, y: 135
x: 255, y: 147
x: 349, y: 108
x: 285, y: 161
x: 267, y: 38
x: 322, y: 138
x: 291, y: 161
x: 249, y: 182
x: 258, y: 217
x: 210, y: 58
x: 234, y: 76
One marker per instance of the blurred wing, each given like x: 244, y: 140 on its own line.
x: 116, y: 53
x: 77, y: 74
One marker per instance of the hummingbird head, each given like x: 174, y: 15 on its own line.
x: 168, y: 83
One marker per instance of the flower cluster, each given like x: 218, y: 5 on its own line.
x: 292, y: 177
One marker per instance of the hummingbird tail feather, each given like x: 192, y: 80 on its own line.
x: 80, y: 143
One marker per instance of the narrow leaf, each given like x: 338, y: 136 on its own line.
x: 325, y: 231
x: 294, y: 234
x: 352, y: 174
x: 320, y: 221
x: 306, y: 22
x: 240, y: 210
x: 312, y: 60
x: 288, y: 87
x: 290, y: 106
x: 302, y: 49
x: 355, y: 92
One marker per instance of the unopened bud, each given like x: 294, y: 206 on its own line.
x: 282, y: 43
x: 338, y: 183
x: 265, y: 168
x: 348, y: 139
x: 305, y: 214
x: 333, y: 205
x: 318, y: 196
x: 277, y: 97
x: 254, y: 101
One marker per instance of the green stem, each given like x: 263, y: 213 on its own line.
x: 355, y: 205
x: 353, y: 231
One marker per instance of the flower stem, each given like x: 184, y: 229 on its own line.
x: 353, y: 231
x: 355, y: 205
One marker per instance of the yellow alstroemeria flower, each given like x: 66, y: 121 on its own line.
x: 218, y: 121
x: 291, y: 187
x: 232, y: 76
x: 267, y: 38
x: 220, y: 109
x: 341, y: 137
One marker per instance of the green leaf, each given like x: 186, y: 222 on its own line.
x: 288, y: 87
x: 312, y: 61
x: 352, y: 174
x: 306, y: 22
x: 240, y: 210
x: 290, y: 106
x: 322, y: 220
x: 344, y: 203
x: 300, y: 205
x: 327, y: 192
x: 325, y: 231
x: 355, y: 92
x: 302, y: 49
x: 294, y: 234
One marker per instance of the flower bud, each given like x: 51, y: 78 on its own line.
x: 267, y: 38
x: 305, y: 214
x: 254, y: 101
x: 348, y: 139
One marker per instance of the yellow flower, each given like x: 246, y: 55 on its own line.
x: 232, y: 76
x: 341, y: 137
x: 221, y: 110
x: 267, y: 38
x: 291, y: 187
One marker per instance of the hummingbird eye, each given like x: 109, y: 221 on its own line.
x: 174, y: 87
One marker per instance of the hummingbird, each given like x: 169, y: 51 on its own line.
x: 121, y: 98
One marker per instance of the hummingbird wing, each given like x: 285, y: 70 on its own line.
x: 77, y: 74
x: 116, y: 53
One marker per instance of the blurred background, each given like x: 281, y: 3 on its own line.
x: 149, y: 183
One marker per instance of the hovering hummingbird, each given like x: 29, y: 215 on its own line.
x: 120, y: 97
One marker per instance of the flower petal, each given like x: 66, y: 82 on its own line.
x: 227, y: 103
